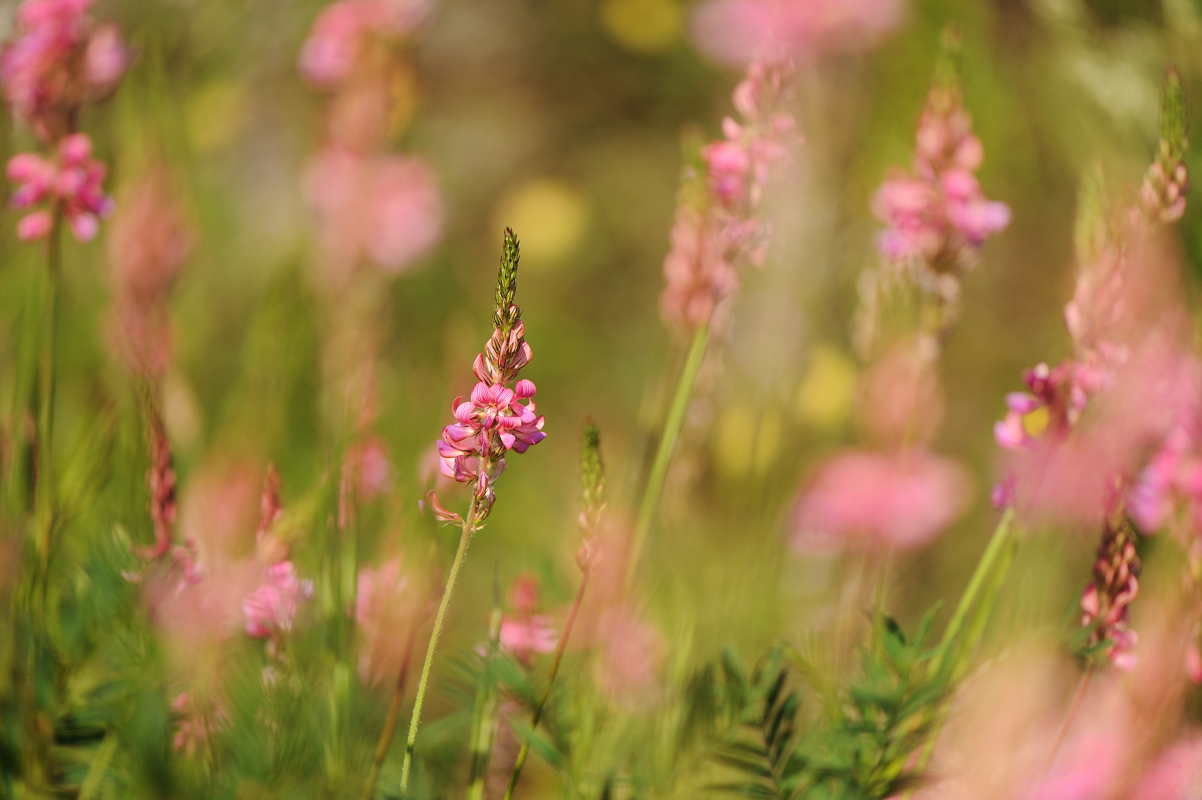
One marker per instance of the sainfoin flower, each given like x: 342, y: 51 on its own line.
x: 496, y: 418
x: 385, y: 210
x: 524, y: 633
x: 339, y: 43
x: 271, y: 608
x: 195, y: 722
x: 72, y: 180
x: 149, y: 243
x: 937, y: 213
x: 389, y: 606
x: 867, y: 499
x: 736, y: 31
x: 1106, y: 601
x: 59, y: 60
x: 716, y: 232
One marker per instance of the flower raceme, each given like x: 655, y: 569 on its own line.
x: 717, y: 233
x: 271, y: 608
x: 338, y: 45
x: 59, y: 60
x: 937, y: 213
x: 495, y: 418
x: 72, y: 180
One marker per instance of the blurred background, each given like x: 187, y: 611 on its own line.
x: 570, y: 121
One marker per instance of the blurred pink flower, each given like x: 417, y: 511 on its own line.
x: 525, y: 633
x: 865, y: 499
x: 385, y: 209
x: 1175, y: 775
x: 339, y: 42
x: 937, y: 213
x: 149, y: 242
x: 736, y: 31
x: 372, y: 472
x: 72, y: 180
x: 901, y: 400
x: 59, y: 60
x: 631, y: 654
x: 715, y: 235
x: 389, y: 606
x: 271, y: 608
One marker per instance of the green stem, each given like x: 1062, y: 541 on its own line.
x: 44, y: 482
x: 667, y: 443
x: 993, y: 551
x: 994, y: 563
x: 542, y: 701
x: 469, y: 527
x: 394, y: 710
x: 484, y: 712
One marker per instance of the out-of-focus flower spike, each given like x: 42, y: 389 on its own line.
x: 948, y: 69
x: 592, y: 477
x: 1106, y: 601
x: 161, y: 481
x: 1162, y: 197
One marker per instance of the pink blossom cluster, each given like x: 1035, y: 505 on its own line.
x: 149, y: 243
x: 715, y: 235
x: 937, y: 213
x: 495, y: 419
x: 389, y: 607
x: 524, y: 633
x: 1106, y: 601
x: 872, y: 500
x: 339, y: 44
x: 373, y: 206
x: 71, y: 181
x: 382, y: 208
x: 161, y: 481
x: 271, y: 608
x: 59, y: 60
x: 737, y: 31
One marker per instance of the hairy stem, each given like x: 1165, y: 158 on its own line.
x: 469, y: 527
x: 394, y: 709
x: 667, y: 443
x: 542, y: 701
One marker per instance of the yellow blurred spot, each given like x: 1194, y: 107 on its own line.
x: 649, y: 26
x: 550, y: 218
x: 1036, y: 422
x: 216, y: 114
x: 824, y: 397
x: 734, y: 439
x: 181, y: 411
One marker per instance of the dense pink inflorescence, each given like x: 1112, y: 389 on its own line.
x: 937, y: 213
x: 736, y: 31
x: 872, y: 500
x: 72, y: 181
x: 716, y: 234
x: 59, y: 60
x: 340, y: 42
x: 270, y: 609
x: 384, y: 209
x: 524, y: 633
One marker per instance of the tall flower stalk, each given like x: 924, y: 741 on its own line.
x: 472, y: 450
x: 716, y: 235
x: 592, y: 479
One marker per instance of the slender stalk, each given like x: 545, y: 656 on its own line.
x: 469, y: 527
x: 44, y: 483
x: 394, y: 709
x: 667, y: 443
x: 542, y: 701
x: 993, y: 551
x: 1068, y: 718
x: 993, y: 564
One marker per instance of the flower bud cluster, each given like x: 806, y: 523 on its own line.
x: 70, y: 180
x: 1106, y: 601
x: 716, y: 232
x: 937, y: 214
x: 496, y: 418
